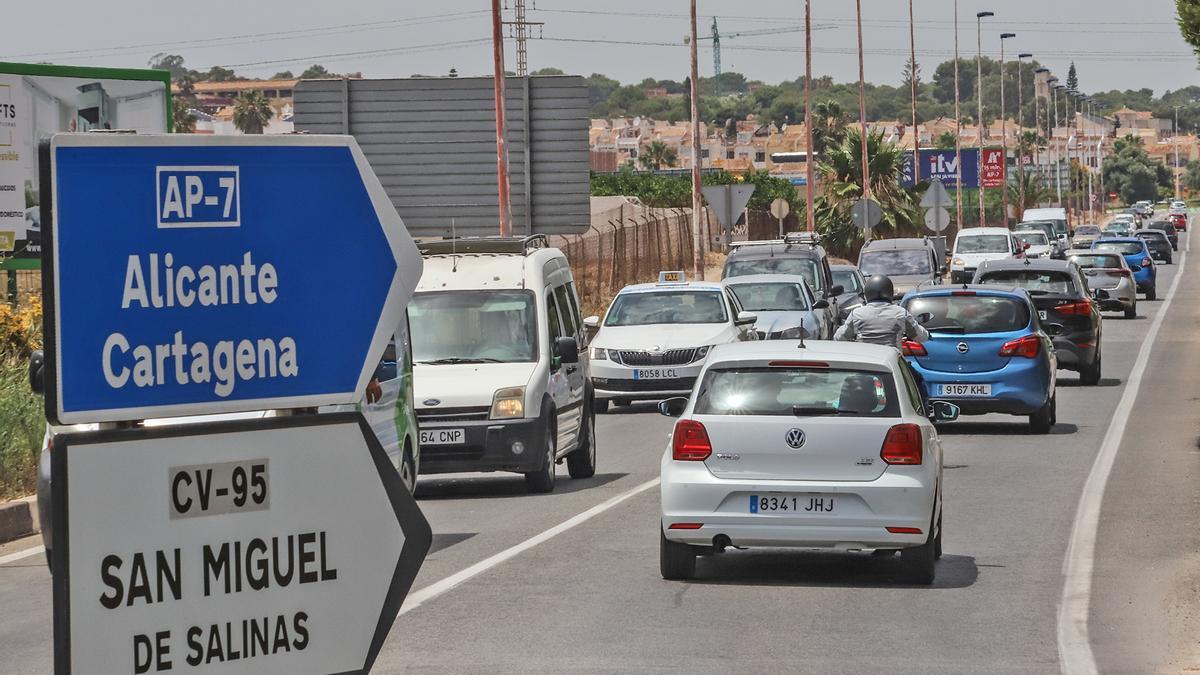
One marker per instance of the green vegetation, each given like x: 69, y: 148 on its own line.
x: 1131, y: 173
x: 252, y: 112
x: 22, y: 422
x: 674, y: 191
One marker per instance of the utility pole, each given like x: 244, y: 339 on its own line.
x: 809, y: 217
x: 1021, y: 132
x: 1057, y: 152
x: 1004, y: 133
x: 1037, y: 120
x: 979, y: 17
x: 518, y: 29
x: 862, y: 116
x: 912, y: 76
x: 697, y: 237
x: 503, y: 190
x: 1175, y: 140
x: 958, y: 205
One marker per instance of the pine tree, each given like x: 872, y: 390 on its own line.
x: 1072, y: 78
x: 910, y: 71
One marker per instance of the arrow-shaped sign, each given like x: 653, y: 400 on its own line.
x: 279, y: 545
x: 936, y: 196
x: 728, y: 201
x: 203, y: 274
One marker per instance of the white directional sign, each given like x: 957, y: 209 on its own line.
x: 280, y: 545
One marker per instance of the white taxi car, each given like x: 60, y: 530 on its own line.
x: 654, y: 338
x: 817, y: 445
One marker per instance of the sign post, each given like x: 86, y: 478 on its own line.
x: 780, y: 209
x: 727, y: 203
x: 186, y: 276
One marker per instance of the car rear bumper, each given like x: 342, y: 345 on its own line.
x: 1018, y: 389
x: 490, y: 445
x: 1075, y: 351
x: 900, y: 497
x: 611, y: 381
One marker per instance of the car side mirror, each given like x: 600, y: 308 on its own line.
x: 566, y: 349
x: 592, y: 321
x: 943, y: 411
x: 673, y: 407
x: 837, y: 290
x: 745, y: 318
x: 821, y: 304
x: 1101, y: 294
x: 924, y: 317
x: 943, y: 269
x: 37, y: 367
x: 1025, y: 246
x: 1052, y: 329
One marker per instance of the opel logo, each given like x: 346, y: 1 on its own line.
x: 431, y: 402
x: 963, y: 348
x: 795, y: 438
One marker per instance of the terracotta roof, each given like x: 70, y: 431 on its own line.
x: 240, y: 85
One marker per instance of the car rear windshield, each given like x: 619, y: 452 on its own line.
x: 1087, y: 261
x: 641, y: 309
x: 770, y: 297
x: 1087, y: 229
x: 982, y: 243
x: 800, y: 391
x: 899, y: 263
x: 1163, y: 226
x: 1122, y: 247
x: 1152, y: 235
x: 1035, y: 281
x: 971, y: 313
x: 848, y: 280
x: 805, y: 267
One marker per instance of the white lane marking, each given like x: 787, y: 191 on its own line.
x: 1074, y: 645
x: 21, y: 555
x: 418, y: 598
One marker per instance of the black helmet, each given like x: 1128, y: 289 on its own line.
x: 879, y: 287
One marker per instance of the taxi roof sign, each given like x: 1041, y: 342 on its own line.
x: 672, y: 277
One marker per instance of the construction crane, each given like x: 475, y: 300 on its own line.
x: 716, y: 44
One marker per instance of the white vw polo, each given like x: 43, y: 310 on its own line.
x: 655, y: 337
x: 817, y: 445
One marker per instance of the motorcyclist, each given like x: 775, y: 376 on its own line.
x: 879, y: 321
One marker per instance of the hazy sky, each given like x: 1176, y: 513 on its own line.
x: 1117, y: 44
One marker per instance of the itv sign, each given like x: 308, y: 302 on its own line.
x: 943, y: 165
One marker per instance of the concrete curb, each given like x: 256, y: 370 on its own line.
x: 18, y: 519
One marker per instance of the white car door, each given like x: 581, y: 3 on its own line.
x: 566, y: 381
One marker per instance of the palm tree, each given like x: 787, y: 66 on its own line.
x: 840, y: 170
x: 657, y: 154
x: 251, y: 112
x: 182, y: 119
x: 1035, y: 192
x: 829, y: 125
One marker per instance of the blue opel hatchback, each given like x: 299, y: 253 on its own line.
x: 1145, y: 274
x: 987, y: 353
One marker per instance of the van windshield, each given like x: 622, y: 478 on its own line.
x: 473, y: 327
x: 805, y: 267
x: 898, y: 263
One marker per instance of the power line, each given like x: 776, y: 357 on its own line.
x: 270, y: 36
x: 368, y: 53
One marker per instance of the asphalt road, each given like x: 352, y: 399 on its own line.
x: 570, y: 582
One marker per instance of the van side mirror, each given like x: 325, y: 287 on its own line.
x: 673, y: 407
x: 566, y: 349
x: 837, y: 290
x: 592, y: 321
x: 37, y: 367
x: 821, y: 304
x: 943, y: 411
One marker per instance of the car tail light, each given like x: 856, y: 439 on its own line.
x: 685, y: 526
x: 910, y: 348
x: 1146, y: 262
x: 1124, y: 272
x: 1081, y: 308
x: 1027, y: 346
x: 690, y: 442
x: 904, y: 530
x: 902, y: 445
x: 963, y: 293
x: 797, y: 364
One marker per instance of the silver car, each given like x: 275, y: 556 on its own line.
x: 785, y: 304
x: 1085, y: 235
x: 1110, y: 280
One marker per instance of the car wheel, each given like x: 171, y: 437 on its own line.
x: 408, y: 470
x: 1131, y: 311
x: 1090, y: 375
x: 582, y: 462
x: 1152, y: 293
x: 920, y: 562
x: 1041, y: 421
x: 542, y: 480
x: 676, y: 561
x: 599, y: 406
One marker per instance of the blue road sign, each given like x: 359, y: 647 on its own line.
x: 195, y: 274
x: 942, y: 164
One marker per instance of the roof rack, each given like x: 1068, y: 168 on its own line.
x: 510, y: 245
x: 791, y: 238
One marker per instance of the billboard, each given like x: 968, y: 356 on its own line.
x: 37, y: 101
x: 943, y: 165
x: 992, y: 168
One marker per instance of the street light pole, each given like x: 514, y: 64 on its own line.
x: 697, y: 239
x: 809, y: 217
x: 1037, y: 120
x: 1057, y: 152
x: 503, y: 191
x: 957, y: 130
x: 1003, y: 134
x: 1175, y: 140
x: 1021, y: 132
x: 912, y: 51
x: 862, y: 116
x: 979, y: 16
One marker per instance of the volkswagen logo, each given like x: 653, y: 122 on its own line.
x: 795, y: 438
x: 963, y: 348
x: 431, y: 402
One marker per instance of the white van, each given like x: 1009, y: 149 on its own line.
x: 1055, y: 216
x: 975, y: 245
x: 500, y: 375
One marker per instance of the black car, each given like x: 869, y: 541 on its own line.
x: 1167, y: 228
x: 1065, y: 308
x: 797, y: 253
x: 1158, y: 243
